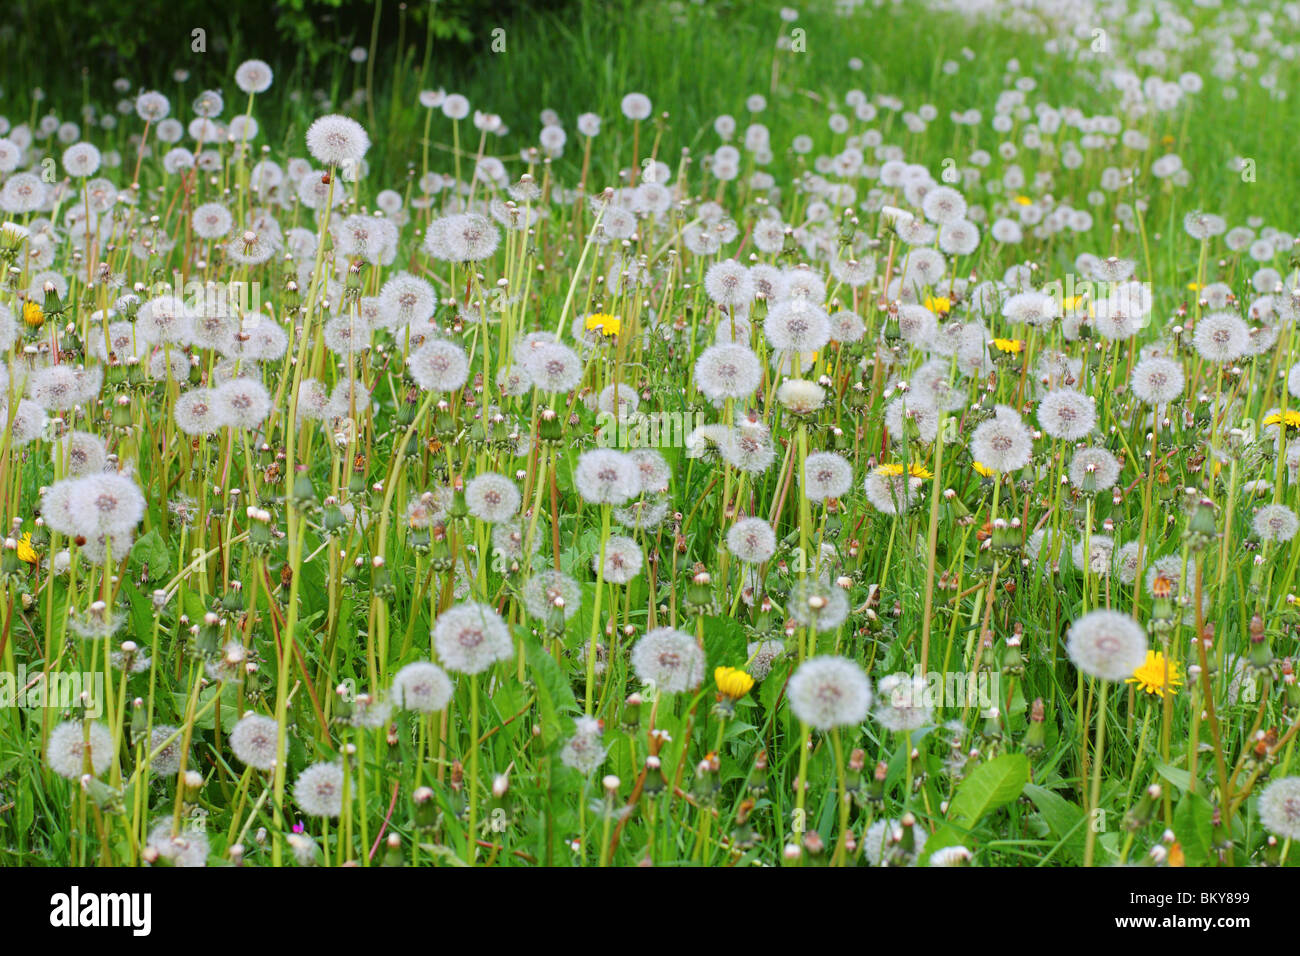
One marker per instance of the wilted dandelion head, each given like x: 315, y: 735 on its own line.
x: 1002, y: 443
x: 439, y: 366
x: 607, y: 477
x: 652, y: 468
x: 727, y: 371
x: 670, y: 659
x: 421, y: 686
x: 1157, y: 380
x: 253, y: 741
x: 636, y: 106
x: 584, y: 751
x: 69, y: 745
x: 186, y: 847
x: 797, y: 325
x: 891, y: 488
x: 1221, y: 337
x: 817, y: 604
x: 318, y: 791
x: 196, y: 412
x: 492, y: 497
x: 335, y: 140
x: 1107, y: 644
x: 828, y: 691
x: 912, y: 417
x: 1066, y: 414
x: 553, y: 366
x: 106, y: 503
x: 82, y: 453
x: 826, y: 475
x: 1279, y: 808
x: 761, y: 655
x: 728, y: 283
x: 623, y: 559
x: 751, y: 540
x: 471, y: 637
x: 748, y: 448
x: 1093, y: 470
x: 1276, y: 523
x: 241, y: 403
x: 551, y: 593
x: 253, y: 76
x: 902, y: 702
x: 167, y: 761
x: 801, y: 396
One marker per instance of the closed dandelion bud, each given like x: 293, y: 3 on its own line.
x: 549, y: 426
x: 655, y: 781
x: 1220, y: 838
x: 1261, y: 657
x: 902, y: 842
x: 208, y: 639
x: 992, y: 728
x: 1036, y: 733
x: 380, y: 580
x: 304, y: 493
x: 874, y: 793
x: 458, y: 508
x: 1142, y: 812
x: 707, y: 785
x: 426, y: 808
x: 1013, y: 663
x: 440, y: 557
x: 757, y: 784
x: 393, y: 855
x: 233, y: 600
x: 1202, y: 525
x: 1291, y: 687
x: 333, y: 519
x: 407, y: 408
x: 53, y: 304
x: 699, y: 593
x: 1005, y: 536
x: 743, y: 835
x: 139, y: 719
x: 854, y: 781
x: 121, y: 418
x: 101, y: 794
x: 630, y: 719
x: 1272, y: 851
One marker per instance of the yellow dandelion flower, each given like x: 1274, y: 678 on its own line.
x: 1024, y: 201
x: 919, y: 471
x: 1289, y: 419
x: 26, y: 553
x: 980, y: 469
x: 733, y: 682
x: 938, y: 303
x: 1154, y: 677
x: 604, y: 322
x: 1194, y: 286
x: 33, y: 317
x: 1009, y: 346
x: 889, y: 470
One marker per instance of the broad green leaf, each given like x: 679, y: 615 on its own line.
x: 992, y: 784
x: 1194, y: 828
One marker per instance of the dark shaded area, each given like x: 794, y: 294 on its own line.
x: 147, y: 40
